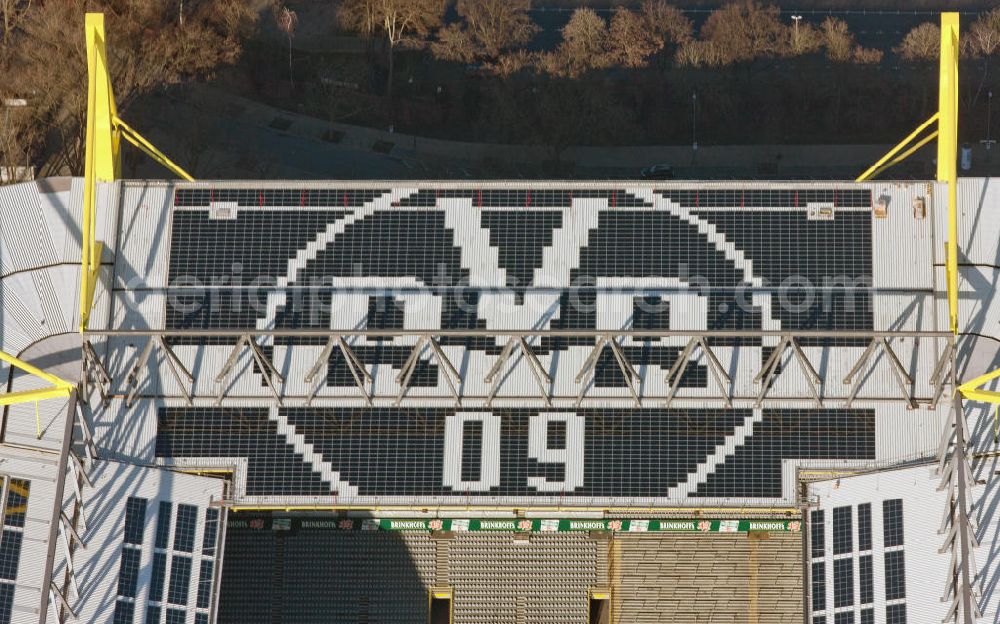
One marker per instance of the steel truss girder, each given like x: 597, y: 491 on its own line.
x: 174, y: 365
x: 903, y: 379
x: 450, y: 373
x: 542, y: 378
x: 518, y: 344
x: 719, y: 374
x: 769, y: 371
x: 267, y: 368
x: 957, y: 522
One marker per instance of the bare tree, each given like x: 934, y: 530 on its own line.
x: 867, y: 56
x: 454, y: 44
x: 511, y: 63
x: 12, y: 11
x: 286, y: 20
x: 744, y: 31
x: 667, y: 22
x: 399, y: 21
x: 584, y: 46
x: 804, y: 39
x: 923, y: 43
x: 697, y: 53
x: 146, y: 50
x: 497, y: 25
x: 837, y: 39
x: 983, y: 38
x: 631, y: 42
x: 360, y: 16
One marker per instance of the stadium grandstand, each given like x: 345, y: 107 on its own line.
x: 498, y: 402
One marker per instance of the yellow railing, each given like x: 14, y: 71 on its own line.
x: 58, y: 389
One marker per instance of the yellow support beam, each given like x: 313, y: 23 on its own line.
x: 881, y: 163
x: 947, y: 151
x: 101, y: 156
x: 947, y: 167
x: 139, y: 141
x: 59, y: 388
x: 102, y: 161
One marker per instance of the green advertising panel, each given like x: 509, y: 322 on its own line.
x: 524, y: 525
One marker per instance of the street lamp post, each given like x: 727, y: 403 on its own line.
x: 8, y: 104
x: 694, y: 121
x: 988, y: 141
x: 795, y: 31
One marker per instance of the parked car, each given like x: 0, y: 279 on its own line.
x: 658, y: 172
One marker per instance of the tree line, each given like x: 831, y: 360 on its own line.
x: 496, y: 35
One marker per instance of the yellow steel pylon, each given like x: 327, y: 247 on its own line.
x: 102, y: 162
x: 947, y: 151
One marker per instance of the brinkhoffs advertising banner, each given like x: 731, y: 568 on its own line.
x: 523, y: 525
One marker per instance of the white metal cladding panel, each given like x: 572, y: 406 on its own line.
x: 41, y: 471
x: 126, y: 434
x: 21, y: 229
x: 144, y: 235
x: 97, y: 566
x: 902, y: 245
x: 979, y: 221
x: 925, y: 569
x: 979, y: 302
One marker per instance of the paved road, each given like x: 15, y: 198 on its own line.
x: 234, y: 138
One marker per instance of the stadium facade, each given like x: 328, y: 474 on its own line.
x: 492, y: 402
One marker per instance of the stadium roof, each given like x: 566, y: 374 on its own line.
x: 580, y: 345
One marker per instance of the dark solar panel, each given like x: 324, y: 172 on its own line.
x: 135, y: 520
x: 205, y: 583
x: 10, y: 553
x: 819, y: 586
x: 128, y: 572
x: 176, y: 616
x: 865, y: 527
x: 843, y: 531
x: 159, y: 577
x: 892, y: 522
x: 6, y: 602
x: 395, y: 451
x: 17, y: 502
x: 279, y: 197
x: 124, y: 612
x: 211, y: 532
x: 833, y: 254
x: 866, y: 580
x: 843, y: 582
x: 180, y: 580
x: 273, y: 465
x: 895, y: 575
x: 895, y: 614
x: 520, y: 239
x: 755, y: 468
x: 817, y: 532
x: 163, y: 525
x: 185, y: 528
